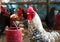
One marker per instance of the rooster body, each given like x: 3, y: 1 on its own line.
x: 44, y: 35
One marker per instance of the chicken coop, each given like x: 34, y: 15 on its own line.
x: 47, y: 10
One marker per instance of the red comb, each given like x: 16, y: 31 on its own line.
x: 2, y: 9
x: 20, y: 13
x: 5, y: 11
x: 31, y: 13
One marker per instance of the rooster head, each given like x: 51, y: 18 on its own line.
x: 20, y: 12
x: 31, y: 13
x: 3, y: 10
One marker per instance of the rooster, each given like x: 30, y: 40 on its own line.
x: 35, y: 19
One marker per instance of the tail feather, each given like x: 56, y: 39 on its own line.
x: 55, y: 34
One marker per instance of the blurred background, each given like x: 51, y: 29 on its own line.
x: 42, y: 7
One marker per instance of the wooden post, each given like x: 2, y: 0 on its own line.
x: 48, y: 6
x: 0, y: 5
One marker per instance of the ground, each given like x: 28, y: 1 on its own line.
x: 25, y: 38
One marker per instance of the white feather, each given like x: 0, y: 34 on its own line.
x: 47, y: 36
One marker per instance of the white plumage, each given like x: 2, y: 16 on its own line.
x: 46, y: 36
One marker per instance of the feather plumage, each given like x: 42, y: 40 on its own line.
x: 46, y: 36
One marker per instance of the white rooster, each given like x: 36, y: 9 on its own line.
x: 46, y: 36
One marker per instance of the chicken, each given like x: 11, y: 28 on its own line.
x: 5, y: 19
x: 46, y: 36
x: 20, y: 17
x: 50, y: 19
